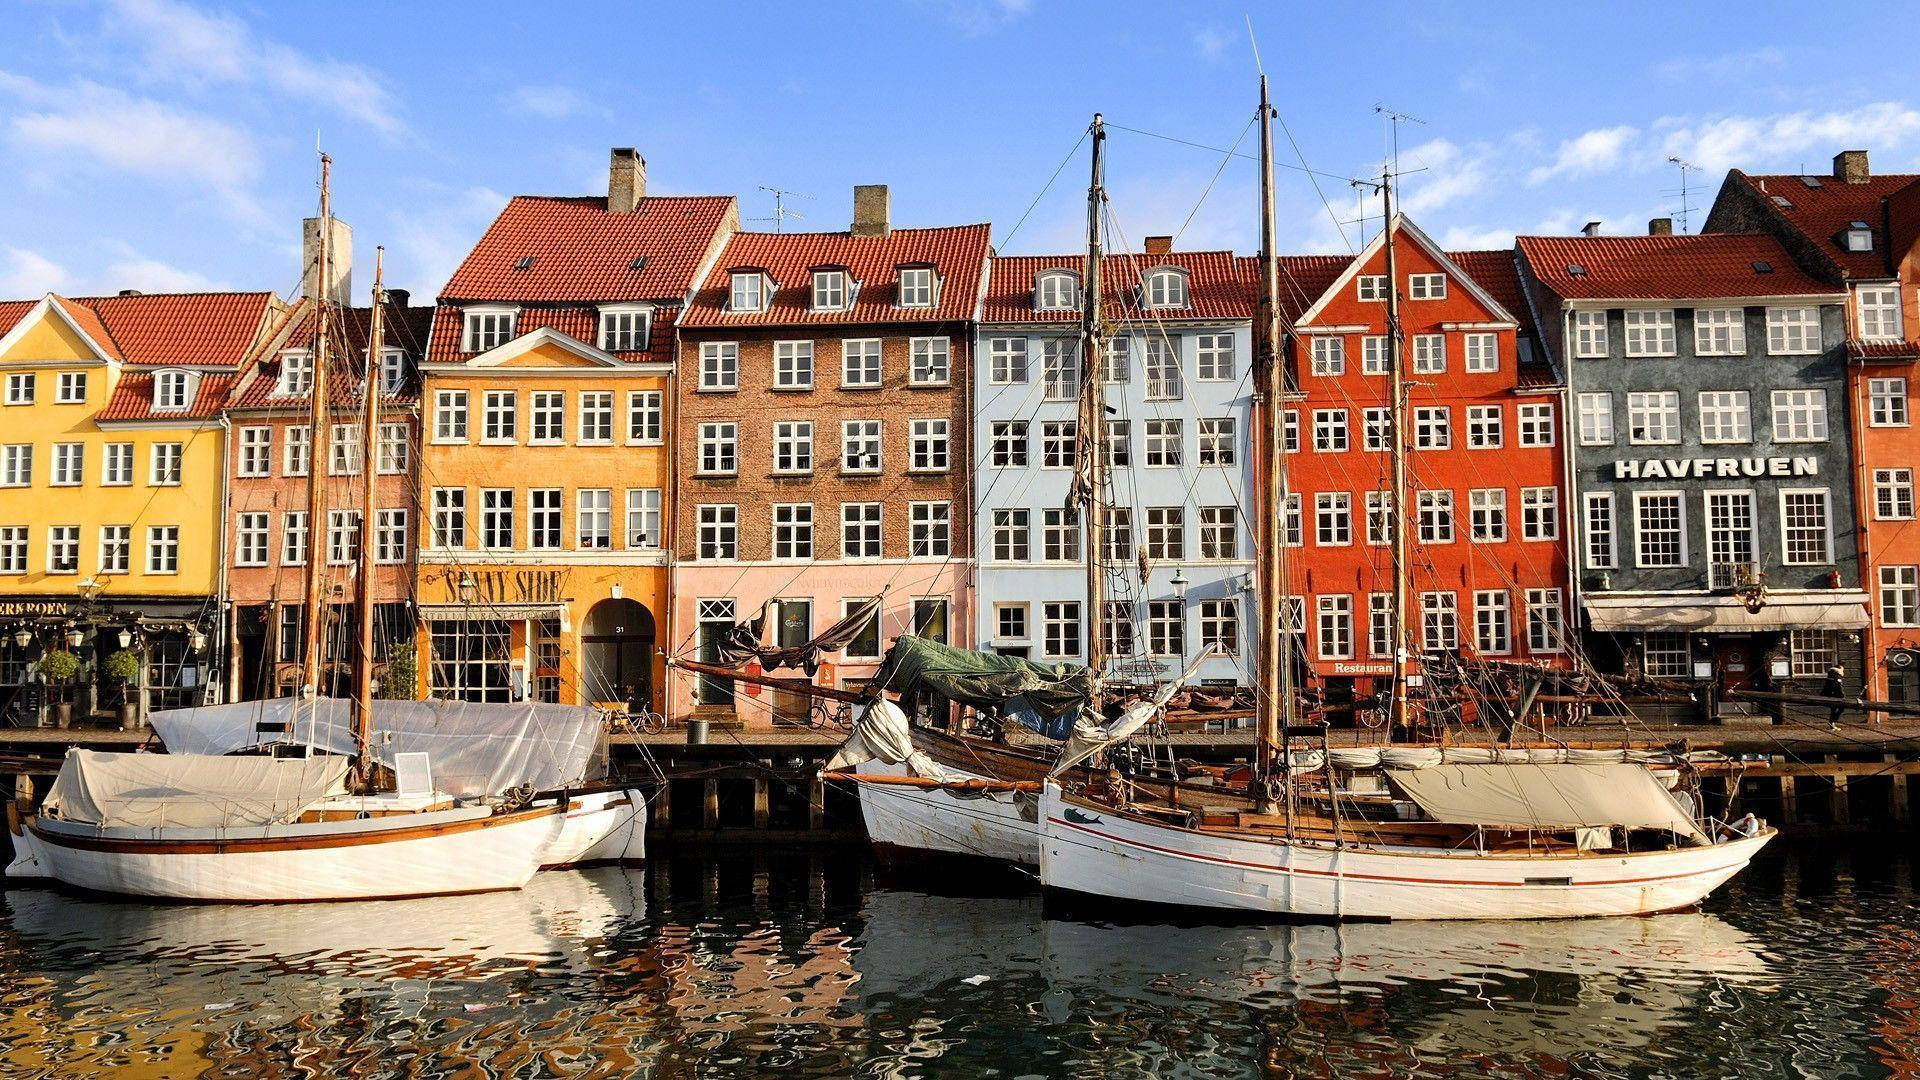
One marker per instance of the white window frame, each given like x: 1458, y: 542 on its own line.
x: 793, y: 365
x: 1800, y: 406
x: 1651, y: 405
x: 931, y: 361
x: 1824, y: 532
x: 1590, y: 335
x: 1426, y: 286
x: 719, y: 366
x: 626, y: 329
x: 484, y: 328
x: 1878, y: 308
x: 594, y: 424
x: 1898, y: 596
x: 1535, y: 420
x: 1649, y: 332
x: 1481, y: 352
x: 1793, y: 331
x: 1719, y: 331
x: 746, y: 291
x: 862, y: 364
x: 865, y: 439
x: 1893, y: 494
x: 1640, y: 498
x: 1589, y: 501
x: 1726, y: 417
x: 831, y: 290
x: 646, y: 417
x: 918, y: 287
x: 71, y: 388
x: 1887, y: 402
x: 450, y: 417
x: 718, y: 532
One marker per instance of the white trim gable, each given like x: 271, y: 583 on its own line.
x: 32, y: 318
x: 526, y: 343
x: 1407, y: 229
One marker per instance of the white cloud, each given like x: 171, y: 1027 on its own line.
x: 1723, y: 66
x: 1211, y: 43
x: 136, y: 271
x: 428, y: 244
x: 27, y: 274
x: 1458, y: 238
x: 1587, y: 153
x: 1761, y: 142
x: 1452, y: 174
x: 553, y: 102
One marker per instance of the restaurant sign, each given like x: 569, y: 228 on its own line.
x: 1704, y: 468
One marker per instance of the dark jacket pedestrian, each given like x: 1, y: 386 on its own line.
x: 1834, y: 688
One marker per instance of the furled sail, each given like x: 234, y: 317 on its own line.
x: 1536, y: 796
x: 1052, y: 694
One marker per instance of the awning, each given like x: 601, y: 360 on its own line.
x: 1545, y: 796
x: 507, y: 612
x: 1827, y: 609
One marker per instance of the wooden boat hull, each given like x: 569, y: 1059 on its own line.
x: 998, y: 825
x: 432, y: 853
x: 600, y: 828
x: 1090, y: 849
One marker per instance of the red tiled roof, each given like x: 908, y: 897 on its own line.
x: 579, y: 323
x: 1824, y: 209
x: 132, y: 398
x: 1216, y: 287
x: 1705, y: 266
x: 406, y: 329
x: 164, y: 329
x: 1884, y: 350
x: 958, y: 254
x: 1304, y: 279
x: 1499, y: 274
x: 580, y: 252
x: 88, y: 320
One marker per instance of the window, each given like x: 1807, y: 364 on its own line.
x: 930, y: 526
x: 256, y: 451
x: 393, y: 371
x: 1332, y: 519
x: 1719, y: 331
x: 1007, y: 447
x: 1432, y: 429
x: 1893, y: 494
x: 343, y: 536
x: 1493, y: 622
x: 487, y: 329
x: 1659, y: 525
x: 390, y: 536
x: 1887, y: 402
x: 1811, y: 652
x: 1293, y: 527
x: 1217, y: 441
x: 449, y: 417
x: 1164, y: 379
x: 547, y: 415
x: 1007, y: 360
x: 719, y: 448
x: 719, y: 531
x: 1220, y: 626
x: 1329, y: 356
x: 1165, y: 288
x: 1792, y: 331
x: 1799, y: 416
x: 294, y: 542
x: 1219, y: 532
x: 930, y: 618
x: 72, y: 388
x: 1060, y: 628
x: 931, y: 363
x: 1166, y: 533
x: 1729, y: 536
x: 1166, y: 628
x: 1380, y: 625
x: 163, y: 549
x: 1435, y: 509
x: 1377, y: 427
x: 793, y: 365
x: 1373, y: 355
x: 1213, y: 359
x: 1370, y: 287
x: 171, y: 391
x: 1329, y: 431
x: 69, y: 464
x: 1060, y: 369
x: 596, y: 417
x: 1335, y: 619
x: 543, y: 518
x: 714, y: 620
x: 1725, y: 417
x: 1119, y: 359
x: 1011, y: 540
x: 1536, y: 424
x: 1544, y: 619
x: 1484, y: 427
x: 20, y: 388
x: 1653, y: 418
x: 1429, y: 354
x: 1290, y: 431
x: 860, y: 363
x: 1590, y: 334
x: 1596, y: 419
x: 1540, y: 513
x: 793, y: 446
x: 643, y: 518
x: 829, y: 290
x: 1120, y: 444
x: 1010, y: 622
x: 1487, y: 514
x: 1599, y: 530
x: 1119, y: 534
x: 1379, y: 518
x: 748, y: 292
x: 1664, y: 656
x: 927, y: 441
x: 719, y: 365
x: 16, y: 465
x: 860, y: 530
x: 164, y: 470
x: 250, y: 539
x: 63, y: 549
x: 1879, y: 307
x: 1163, y: 443
x: 1059, y: 443
x: 1426, y: 286
x: 624, y: 331
x: 394, y: 449
x: 860, y: 446
x: 644, y: 417
x: 116, y: 548
x: 1056, y: 291
x: 1649, y: 333
x: 13, y: 549
x: 1439, y: 622
x: 496, y: 518
x: 1805, y: 538
x: 449, y: 517
x: 343, y: 450
x: 1900, y: 595
x: 1483, y: 352
x: 1119, y: 630
x: 1060, y: 534
x: 793, y: 531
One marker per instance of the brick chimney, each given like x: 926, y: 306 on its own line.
x: 399, y: 297
x: 339, y: 260
x: 1591, y: 228
x: 1851, y: 166
x: 626, y: 180
x: 1159, y: 245
x: 871, y: 210
x: 1660, y: 226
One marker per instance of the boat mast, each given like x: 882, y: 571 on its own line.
x: 369, y: 470
x: 322, y: 299
x: 1276, y: 614
x: 1093, y: 415
x: 1397, y: 502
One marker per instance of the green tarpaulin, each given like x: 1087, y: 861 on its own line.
x: 917, y: 667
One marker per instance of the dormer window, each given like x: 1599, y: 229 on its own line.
x: 172, y: 391
x: 829, y: 290
x: 1859, y: 237
x: 393, y: 370
x: 1165, y: 287
x: 625, y: 329
x: 1056, y: 291
x: 916, y: 286
x: 296, y: 373
x: 749, y: 291
x: 488, y: 328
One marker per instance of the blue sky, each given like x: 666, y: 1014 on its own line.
x: 168, y: 144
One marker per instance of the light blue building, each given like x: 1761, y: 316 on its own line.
x: 1179, y: 395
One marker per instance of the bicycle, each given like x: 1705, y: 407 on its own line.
x: 644, y: 722
x: 820, y: 716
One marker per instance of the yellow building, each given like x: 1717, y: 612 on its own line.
x: 111, y: 488
x: 545, y: 470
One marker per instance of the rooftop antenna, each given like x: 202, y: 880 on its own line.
x: 1686, y: 208
x: 780, y: 211
x: 1395, y: 118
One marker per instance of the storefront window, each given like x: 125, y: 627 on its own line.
x: 1666, y: 656
x: 1814, y: 651
x: 470, y: 661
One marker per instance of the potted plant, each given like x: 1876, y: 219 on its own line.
x: 123, y: 667
x: 400, y: 679
x: 58, y: 669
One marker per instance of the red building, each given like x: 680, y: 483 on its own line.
x: 1484, y: 442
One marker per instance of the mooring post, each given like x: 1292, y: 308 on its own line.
x: 817, y: 803
x: 1898, y: 807
x: 762, y: 802
x: 1839, y: 806
x: 710, y: 811
x: 1789, y: 808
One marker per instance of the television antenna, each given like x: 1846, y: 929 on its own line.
x: 780, y: 211
x: 1686, y: 208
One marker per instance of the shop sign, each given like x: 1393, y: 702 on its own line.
x: 507, y: 586
x: 1350, y: 667
x: 29, y: 609
x: 1705, y: 468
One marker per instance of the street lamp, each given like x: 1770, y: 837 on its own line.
x: 23, y: 637
x: 196, y: 639
x: 1180, y: 584
x: 126, y: 638
x: 466, y: 588
x: 75, y: 637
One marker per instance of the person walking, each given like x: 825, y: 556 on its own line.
x: 1834, y: 688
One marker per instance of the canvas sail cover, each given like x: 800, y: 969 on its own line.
x: 189, y: 790
x: 1537, y: 796
x: 475, y: 749
x: 917, y: 667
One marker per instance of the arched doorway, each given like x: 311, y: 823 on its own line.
x: 616, y: 662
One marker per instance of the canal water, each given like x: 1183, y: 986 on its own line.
x: 1807, y: 966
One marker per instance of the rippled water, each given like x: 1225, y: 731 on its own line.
x: 1805, y: 966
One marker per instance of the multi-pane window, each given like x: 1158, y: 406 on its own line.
x: 393, y: 371
x: 547, y: 416
x: 1380, y: 623
x: 163, y: 549
x: 1119, y: 359
x: 1805, y: 536
x: 544, y: 513
x: 1007, y: 444
x: 1166, y: 628
x: 71, y: 388
x: 720, y: 365
x: 1119, y: 629
x: 1213, y: 359
x: 1373, y: 355
x: 1729, y: 536
x: 256, y: 451
x: 1719, y: 331
x: 1059, y: 443
x: 165, y: 465
x: 860, y: 363
x: 718, y: 531
x: 645, y: 416
x: 1007, y: 360
x: 643, y: 518
x: 1544, y: 620
x: 1290, y: 431
x: 1011, y: 536
x: 496, y: 518
x: 1483, y: 352
x: 1060, y: 628
x: 829, y: 290
x: 1487, y: 514
x: 1893, y: 494
x: 860, y: 530
x: 393, y: 449
x: 343, y: 536
x: 488, y: 329
x: 1879, y: 308
x: 344, y: 450
x: 860, y: 446
x: 296, y: 374
x: 1370, y: 286
x: 1484, y: 427
x: 1219, y: 532
x: 748, y: 292
x: 1329, y: 356
x: 596, y: 417
x: 170, y: 391
x: 1793, y: 330
x: 1493, y: 621
x: 1292, y: 520
x: 1432, y: 428
x: 1536, y: 423
x: 1060, y: 369
x: 928, y: 446
x: 449, y: 416
x: 1010, y: 622
x: 1056, y: 291
x: 1165, y: 288
x: 916, y: 286
x: 1119, y: 444
x: 1589, y: 334
x: 1540, y: 513
x: 719, y: 448
x: 793, y: 446
x: 116, y: 548
x: 1439, y: 622
x: 624, y: 331
x: 1163, y: 442
x: 69, y: 464
x: 1653, y: 417
x: 1379, y: 518
x: 16, y: 465
x: 793, y: 365
x: 1659, y: 526
x: 1429, y: 354
x: 1596, y: 418
x: 1811, y: 652
x: 1377, y: 428
x: 63, y: 549
x: 1665, y: 656
x: 1649, y: 333
x: 1217, y: 441
x: 1435, y: 510
x: 793, y: 531
x: 449, y: 517
x: 1220, y: 626
x: 713, y: 622
x: 1887, y: 402
x: 932, y: 363
x: 1060, y: 534
x: 1799, y: 416
x: 1725, y: 417
x: 1164, y: 379
x: 930, y: 526
x: 1900, y: 596
x: 1329, y: 430
x: 1426, y: 286
x: 251, y: 531
x: 1599, y: 530
x: 1333, y: 518
x: 294, y: 538
x: 1166, y: 533
x: 390, y: 536
x: 1334, y: 615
